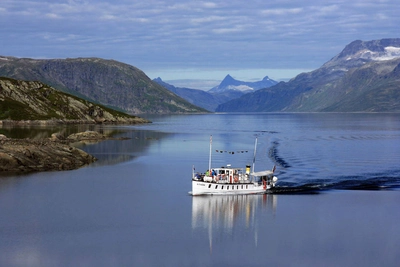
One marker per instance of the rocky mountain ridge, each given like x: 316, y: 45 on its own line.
x: 197, y: 97
x: 228, y: 89
x: 376, y: 50
x: 34, y: 101
x: 200, y: 98
x: 231, y: 84
x: 364, y: 77
x: 107, y: 82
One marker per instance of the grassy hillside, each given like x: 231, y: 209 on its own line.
x: 106, y: 82
x: 24, y: 100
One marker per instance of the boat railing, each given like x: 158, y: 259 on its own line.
x: 222, y: 179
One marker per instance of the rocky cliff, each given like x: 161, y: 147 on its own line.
x: 24, y: 101
x: 107, y: 82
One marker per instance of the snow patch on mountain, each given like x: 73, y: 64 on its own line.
x: 242, y: 88
x: 390, y: 52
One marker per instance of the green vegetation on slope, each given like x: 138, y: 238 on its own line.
x: 23, y: 100
x: 107, y: 82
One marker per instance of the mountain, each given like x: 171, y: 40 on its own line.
x: 27, y: 100
x: 228, y: 89
x: 364, y: 77
x: 197, y: 97
x: 108, y: 82
x: 230, y: 84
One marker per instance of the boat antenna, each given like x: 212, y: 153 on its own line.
x: 254, y: 158
x: 209, y: 160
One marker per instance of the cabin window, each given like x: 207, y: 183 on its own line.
x: 246, y: 186
x: 237, y: 187
x: 209, y: 185
x: 222, y: 187
x: 216, y: 186
x: 242, y: 186
x: 228, y: 187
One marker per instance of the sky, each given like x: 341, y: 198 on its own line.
x: 196, y: 44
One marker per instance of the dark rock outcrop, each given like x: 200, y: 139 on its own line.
x: 49, y: 154
x: 40, y: 155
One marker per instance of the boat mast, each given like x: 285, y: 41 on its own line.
x: 254, y: 158
x: 209, y: 160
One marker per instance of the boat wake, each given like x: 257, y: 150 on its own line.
x: 273, y: 154
x: 314, y: 171
x: 377, y: 181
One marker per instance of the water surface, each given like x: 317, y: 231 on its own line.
x: 336, y: 203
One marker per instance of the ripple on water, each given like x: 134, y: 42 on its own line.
x: 336, y: 162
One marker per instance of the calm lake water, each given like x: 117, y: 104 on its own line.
x: 336, y: 203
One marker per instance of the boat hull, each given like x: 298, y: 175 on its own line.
x: 209, y: 188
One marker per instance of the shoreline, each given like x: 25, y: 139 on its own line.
x: 136, y: 120
x: 47, y: 154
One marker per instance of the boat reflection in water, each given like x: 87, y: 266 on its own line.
x: 231, y: 214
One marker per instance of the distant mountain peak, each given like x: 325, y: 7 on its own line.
x: 228, y: 77
x: 231, y: 84
x: 229, y: 80
x: 375, y: 50
x: 363, y: 77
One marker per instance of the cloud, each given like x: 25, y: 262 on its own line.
x: 191, y: 5
x: 52, y: 16
x: 209, y: 5
x: 199, y: 20
x: 281, y: 11
x: 195, y: 34
x: 227, y: 30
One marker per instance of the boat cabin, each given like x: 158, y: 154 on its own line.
x: 266, y: 177
x: 229, y: 175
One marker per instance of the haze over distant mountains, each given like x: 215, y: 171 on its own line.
x: 194, y: 96
x: 230, y: 84
x: 228, y: 89
x: 364, y: 77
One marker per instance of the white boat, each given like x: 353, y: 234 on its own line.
x: 230, y: 180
